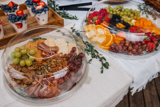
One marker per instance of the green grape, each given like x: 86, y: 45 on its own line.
x: 23, y: 52
x: 122, y: 10
x: 13, y: 55
x: 127, y: 10
x: 114, y: 9
x: 17, y: 49
x: 18, y: 54
x: 135, y: 17
x: 114, y: 12
x: 121, y: 7
x: 111, y: 12
x: 22, y: 63
x: 131, y: 10
x: 125, y: 20
x: 23, y: 47
x: 125, y: 13
x: 121, y: 13
x: 111, y: 9
x: 24, y: 57
x: 131, y: 15
x: 109, y: 6
x: 32, y: 52
x: 16, y: 60
x: 118, y: 12
x: 134, y: 11
x: 28, y: 62
x: 118, y: 7
x: 31, y: 58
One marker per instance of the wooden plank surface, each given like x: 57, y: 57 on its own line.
x: 124, y: 102
x: 157, y: 84
x: 137, y: 100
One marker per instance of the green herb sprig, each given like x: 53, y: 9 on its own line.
x: 52, y: 4
x: 147, y: 10
x: 90, y: 50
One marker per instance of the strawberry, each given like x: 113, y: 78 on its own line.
x: 153, y: 39
x: 41, y: 3
x: 97, y: 22
x: 0, y: 22
x: 11, y: 4
x: 133, y: 29
x: 90, y: 22
x: 147, y: 40
x: 91, y: 15
x: 0, y: 31
x: 100, y: 17
x: 95, y: 13
x: 151, y: 46
x: 107, y: 20
x: 149, y: 34
x: 109, y: 15
x: 20, y: 12
x: 36, y: 1
x: 19, y: 25
x: 155, y: 42
x: 103, y: 11
x: 39, y: 7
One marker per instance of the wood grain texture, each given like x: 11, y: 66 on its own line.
x: 157, y: 84
x: 9, y: 31
x: 150, y: 95
x: 137, y: 100
x: 124, y: 102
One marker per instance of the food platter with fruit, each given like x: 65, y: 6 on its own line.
x: 129, y: 29
x: 50, y: 65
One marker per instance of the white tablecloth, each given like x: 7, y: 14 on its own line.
x: 99, y: 90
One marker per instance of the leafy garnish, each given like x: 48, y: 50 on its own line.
x: 37, y: 38
x: 90, y: 50
x: 52, y: 4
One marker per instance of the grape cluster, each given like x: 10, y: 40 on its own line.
x: 6, y: 8
x: 29, y: 2
x: 37, y: 11
x: 75, y: 62
x: 119, y: 10
x: 129, y: 47
x: 20, y: 56
x: 13, y: 18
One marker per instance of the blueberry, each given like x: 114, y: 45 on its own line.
x: 16, y: 20
x: 13, y: 16
x: 36, y: 4
x: 45, y: 6
x: 42, y: 9
x: 14, y: 5
x: 25, y: 15
x: 7, y: 7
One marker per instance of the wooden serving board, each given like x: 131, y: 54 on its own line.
x: 9, y: 31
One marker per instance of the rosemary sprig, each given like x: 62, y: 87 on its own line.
x: 147, y: 10
x: 64, y: 14
x: 90, y: 50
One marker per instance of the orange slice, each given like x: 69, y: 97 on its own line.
x: 104, y: 47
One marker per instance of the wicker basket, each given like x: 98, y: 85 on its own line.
x: 153, y: 3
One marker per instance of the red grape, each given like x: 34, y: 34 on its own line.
x: 119, y: 47
x: 135, y: 46
x: 124, y: 48
x: 127, y: 41
x: 140, y: 50
x: 71, y: 66
x: 126, y: 44
x: 66, y: 77
x: 77, y: 63
x: 60, y: 87
x: 61, y: 81
x: 81, y: 55
x: 74, y: 78
x: 69, y: 85
x: 144, y: 46
x: 133, y: 42
x: 133, y: 50
x: 129, y: 53
x: 73, y: 49
x: 143, y: 42
x: 72, y: 73
x: 130, y: 48
x: 68, y: 56
x: 139, y: 44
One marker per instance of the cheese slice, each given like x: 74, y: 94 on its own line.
x: 70, y: 46
x: 50, y: 42
x: 63, y: 46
